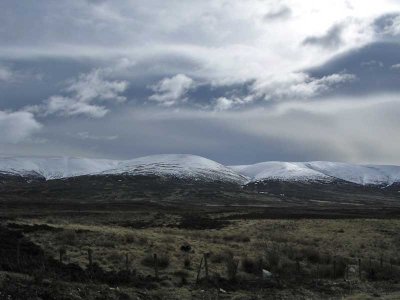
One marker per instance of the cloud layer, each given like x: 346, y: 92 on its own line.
x: 17, y: 126
x: 85, y: 93
x: 290, y: 80
x: 171, y: 91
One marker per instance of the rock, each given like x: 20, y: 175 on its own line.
x: 266, y: 275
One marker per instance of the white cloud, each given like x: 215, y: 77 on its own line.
x: 170, y: 91
x: 85, y: 94
x: 395, y: 67
x: 5, y: 74
x: 94, y: 86
x: 372, y: 64
x: 298, y: 86
x: 85, y: 135
x: 223, y: 103
x: 17, y: 126
x: 217, y: 41
x: 65, y: 106
x: 11, y: 75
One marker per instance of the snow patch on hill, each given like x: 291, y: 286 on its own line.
x: 321, y: 171
x: 284, y: 171
x: 180, y: 166
x: 193, y: 167
x: 176, y: 165
x: 54, y: 167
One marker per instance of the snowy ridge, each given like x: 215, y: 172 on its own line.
x: 193, y: 167
x: 321, y: 171
x: 53, y: 167
x: 284, y: 171
x: 175, y: 165
x: 179, y: 166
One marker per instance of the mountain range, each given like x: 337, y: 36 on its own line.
x: 193, y: 167
x: 190, y: 178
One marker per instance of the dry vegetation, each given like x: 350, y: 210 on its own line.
x: 308, y: 259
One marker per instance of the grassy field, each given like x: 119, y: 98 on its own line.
x: 314, y: 258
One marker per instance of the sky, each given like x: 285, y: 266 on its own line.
x: 236, y: 81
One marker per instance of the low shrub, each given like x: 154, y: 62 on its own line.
x: 311, y: 254
x: 162, y: 261
x: 251, y: 266
x: 220, y: 257
x: 231, y: 267
x: 187, y: 262
x: 67, y: 237
x: 272, y: 257
x: 239, y: 238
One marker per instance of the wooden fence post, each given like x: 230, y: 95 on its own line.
x: 199, y: 270
x: 155, y: 265
x: 260, y: 266
x: 205, y: 264
x: 334, y: 268
x: 63, y: 253
x: 90, y: 257
x: 126, y: 261
x: 19, y: 253
x: 391, y: 266
x: 298, y: 266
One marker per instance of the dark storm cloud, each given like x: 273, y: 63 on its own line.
x: 387, y: 25
x: 333, y: 130
x: 331, y: 39
x: 372, y: 64
x: 278, y: 13
x: 32, y: 89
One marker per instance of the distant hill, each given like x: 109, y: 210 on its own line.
x: 183, y: 176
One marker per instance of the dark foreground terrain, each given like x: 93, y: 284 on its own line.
x: 310, y: 250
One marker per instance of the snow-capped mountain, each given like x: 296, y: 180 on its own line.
x: 321, y: 171
x: 283, y: 171
x: 184, y: 166
x: 181, y: 166
x: 53, y: 167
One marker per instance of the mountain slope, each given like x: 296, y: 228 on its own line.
x: 282, y: 171
x: 53, y: 167
x: 181, y: 166
x: 193, y: 179
x: 196, y: 168
x: 320, y: 171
